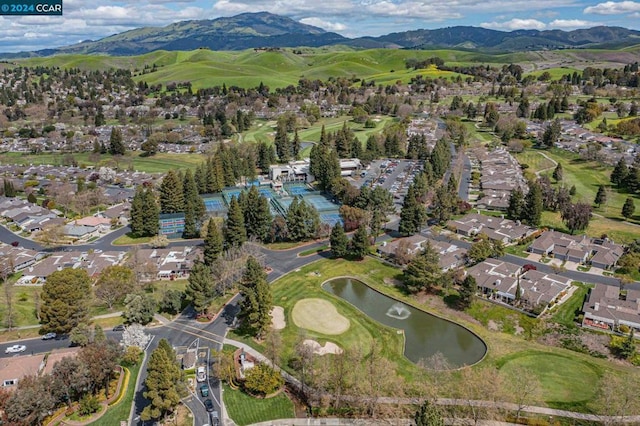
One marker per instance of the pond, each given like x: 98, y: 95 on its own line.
x: 425, y: 335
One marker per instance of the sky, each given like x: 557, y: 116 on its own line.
x: 92, y: 20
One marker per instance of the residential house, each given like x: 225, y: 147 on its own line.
x: 93, y: 262
x: 451, y: 255
x: 15, y: 368
x: 496, y: 228
x: 171, y: 263
x: 507, y: 283
x: 598, y: 252
x: 101, y: 224
x: 607, y: 309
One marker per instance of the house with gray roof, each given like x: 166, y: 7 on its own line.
x: 607, y: 308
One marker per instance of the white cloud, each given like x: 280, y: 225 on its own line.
x: 516, y: 24
x: 571, y: 24
x: 613, y: 8
x: 329, y: 26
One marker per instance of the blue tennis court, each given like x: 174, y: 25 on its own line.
x: 230, y: 193
x: 297, y: 189
x: 267, y: 192
x: 214, y: 204
x: 330, y: 218
x: 320, y: 202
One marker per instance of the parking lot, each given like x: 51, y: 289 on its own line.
x: 393, y: 175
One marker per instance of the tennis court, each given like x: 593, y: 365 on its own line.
x: 320, y: 202
x: 214, y: 204
x: 330, y: 218
x: 230, y: 193
x: 297, y: 189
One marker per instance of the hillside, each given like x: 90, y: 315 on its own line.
x: 206, y: 68
x: 262, y: 29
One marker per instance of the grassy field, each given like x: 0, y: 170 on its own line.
x: 159, y: 163
x: 245, y: 410
x: 566, y: 313
x: 513, y: 346
x: 587, y: 176
x: 120, y: 412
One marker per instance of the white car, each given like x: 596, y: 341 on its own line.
x: 15, y: 349
x: 201, y: 374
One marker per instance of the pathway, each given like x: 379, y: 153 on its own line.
x: 555, y: 163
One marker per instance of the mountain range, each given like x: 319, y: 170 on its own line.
x: 266, y: 30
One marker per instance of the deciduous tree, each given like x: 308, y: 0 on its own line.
x: 114, y: 283
x: 65, y: 300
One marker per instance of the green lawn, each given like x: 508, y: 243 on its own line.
x: 127, y: 240
x: 158, y: 163
x: 566, y: 313
x: 119, y: 412
x: 245, y: 409
x: 554, y: 372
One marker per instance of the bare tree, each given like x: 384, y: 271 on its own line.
x: 618, y: 397
x: 272, y: 345
x: 6, y: 271
x: 524, y: 389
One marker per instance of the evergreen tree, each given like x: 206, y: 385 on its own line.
x: 359, y: 245
x: 235, y: 233
x: 628, y: 208
x: 171, y: 194
x: 339, y: 241
x: 468, y: 289
x: 258, y: 301
x: 200, y: 287
x: 257, y: 214
x: 295, y: 146
x: 9, y: 188
x: 533, y: 205
x: 413, y: 214
x: 116, y: 145
x: 444, y: 205
x: 213, y: 243
x: 303, y: 221
x: 601, y: 196
x: 65, y: 300
x: 423, y: 272
x: 282, y: 143
x: 558, y: 173
x: 266, y: 156
x: 620, y: 172
x: 151, y: 214
x: 163, y: 383
x: 137, y: 213
x: 428, y: 414
x: 194, y: 208
x: 516, y: 206
x: 551, y: 134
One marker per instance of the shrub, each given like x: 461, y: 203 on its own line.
x: 131, y: 356
x: 88, y: 405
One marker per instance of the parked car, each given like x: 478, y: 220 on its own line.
x: 15, y: 349
x: 119, y: 327
x: 208, y: 404
x: 49, y: 336
x: 215, y: 419
x: 204, y: 390
x: 201, y: 374
x: 15, y: 244
x: 529, y: 267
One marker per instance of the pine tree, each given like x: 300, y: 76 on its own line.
x: 66, y: 295
x: 423, y: 272
x: 200, y: 287
x: 515, y: 209
x: 137, y: 213
x: 257, y: 214
x: 282, y: 143
x: 9, y: 188
x: 258, y: 300
x: 359, y: 245
x: 558, y: 173
x: 413, y: 214
x: 303, y: 221
x: 151, y: 214
x: 601, y: 196
x: 213, y: 243
x: 468, y: 289
x: 295, y: 147
x: 194, y: 208
x: 171, y: 194
x: 116, y: 145
x: 163, y: 382
x: 620, y: 172
x: 235, y: 233
x: 628, y: 208
x: 339, y: 241
x: 533, y: 205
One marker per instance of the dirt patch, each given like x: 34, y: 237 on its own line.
x: 277, y: 318
x: 392, y: 281
x: 319, y: 315
x: 494, y: 326
x: 328, y: 348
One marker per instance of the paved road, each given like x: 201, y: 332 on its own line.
x: 465, y: 178
x: 37, y: 345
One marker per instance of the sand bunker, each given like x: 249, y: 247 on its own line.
x: 328, y: 348
x: 319, y: 315
x: 277, y: 318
